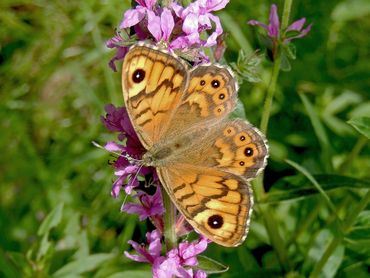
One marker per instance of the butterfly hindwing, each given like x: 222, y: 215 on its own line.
x: 215, y: 203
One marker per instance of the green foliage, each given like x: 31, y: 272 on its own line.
x: 57, y: 217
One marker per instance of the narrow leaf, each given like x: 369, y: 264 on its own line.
x: 362, y: 125
x: 316, y: 184
x: 80, y: 266
x: 52, y: 220
x: 211, y: 266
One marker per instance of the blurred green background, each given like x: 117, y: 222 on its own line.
x: 55, y: 82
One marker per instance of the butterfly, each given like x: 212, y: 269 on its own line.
x: 203, y: 159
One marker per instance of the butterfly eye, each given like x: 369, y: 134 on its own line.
x: 138, y: 75
x: 248, y: 152
x: 215, y: 221
x: 215, y: 83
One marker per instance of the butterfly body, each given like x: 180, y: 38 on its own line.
x: 203, y: 160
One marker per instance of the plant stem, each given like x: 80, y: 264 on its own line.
x: 267, y: 212
x: 338, y: 238
x: 286, y: 14
x: 362, y: 141
x: 275, y: 72
x: 169, y: 221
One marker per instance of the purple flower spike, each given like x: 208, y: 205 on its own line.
x: 117, y: 120
x: 150, y: 254
x: 150, y: 205
x: 274, y: 25
x: 179, y: 261
x: 273, y: 28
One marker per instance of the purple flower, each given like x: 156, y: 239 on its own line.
x: 150, y: 254
x: 134, y: 16
x: 117, y: 120
x: 161, y: 26
x: 273, y: 28
x: 115, y: 42
x: 150, y: 205
x: 197, y: 18
x: 179, y: 261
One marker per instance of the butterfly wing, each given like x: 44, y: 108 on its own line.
x: 215, y: 203
x: 153, y: 83
x: 233, y: 146
x: 209, y: 97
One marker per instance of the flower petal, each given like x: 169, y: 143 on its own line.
x: 136, y: 258
x: 190, y: 25
x: 167, y: 24
x: 113, y: 147
x: 154, y: 25
x: 303, y: 33
x: 257, y: 23
x: 213, y: 5
x: 274, y: 26
x: 177, y: 8
x: 296, y: 25
x: 132, y: 17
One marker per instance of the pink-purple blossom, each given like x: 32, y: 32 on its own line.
x: 179, y: 262
x: 127, y: 173
x: 175, y: 27
x: 294, y: 31
x: 150, y: 205
x: 197, y: 18
x: 149, y: 254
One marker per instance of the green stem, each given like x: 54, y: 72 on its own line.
x: 267, y: 212
x: 169, y: 221
x: 361, y: 143
x: 286, y: 14
x: 270, y: 94
x: 350, y: 219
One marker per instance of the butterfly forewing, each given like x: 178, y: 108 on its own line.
x: 153, y: 83
x: 209, y: 97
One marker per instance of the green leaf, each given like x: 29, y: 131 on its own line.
x: 334, y: 262
x: 315, y: 184
x: 319, y: 131
x: 297, y: 187
x: 362, y: 125
x: 132, y: 273
x: 52, y: 220
x: 211, y: 266
x: 12, y: 264
x: 359, y: 233
x: 80, y: 266
x: 285, y: 64
x: 45, y: 245
x: 290, y: 51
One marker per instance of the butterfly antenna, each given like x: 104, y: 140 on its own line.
x: 124, y: 155
x: 124, y: 201
x: 131, y: 180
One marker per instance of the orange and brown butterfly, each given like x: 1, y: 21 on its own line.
x: 203, y: 160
